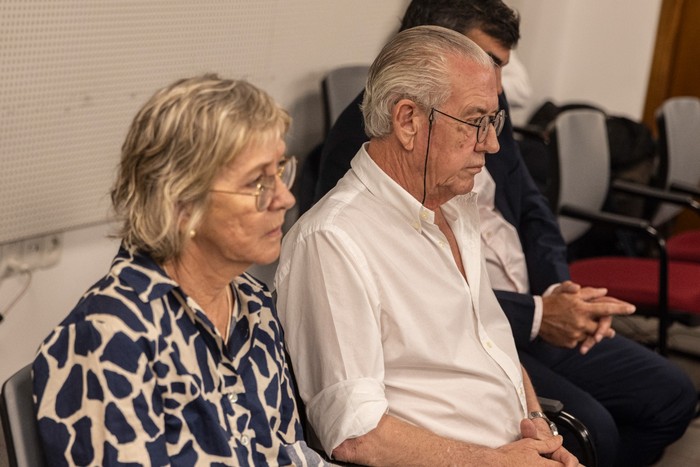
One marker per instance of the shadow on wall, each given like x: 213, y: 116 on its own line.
x: 306, y: 132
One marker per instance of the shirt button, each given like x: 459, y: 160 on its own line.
x: 244, y: 440
x: 423, y: 215
x: 233, y: 397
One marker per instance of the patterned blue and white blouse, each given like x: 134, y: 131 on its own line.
x: 132, y: 376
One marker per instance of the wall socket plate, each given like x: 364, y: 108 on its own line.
x: 30, y: 254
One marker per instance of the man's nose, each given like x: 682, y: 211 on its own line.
x: 490, y: 144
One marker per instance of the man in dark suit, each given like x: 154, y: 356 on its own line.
x: 633, y: 401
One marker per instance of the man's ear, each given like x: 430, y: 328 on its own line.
x: 406, y: 123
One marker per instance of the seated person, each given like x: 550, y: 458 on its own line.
x: 633, y: 401
x: 516, y: 81
x: 176, y: 357
x: 406, y: 355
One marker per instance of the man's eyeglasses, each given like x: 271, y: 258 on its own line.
x: 265, y: 185
x: 482, y: 125
x: 482, y: 131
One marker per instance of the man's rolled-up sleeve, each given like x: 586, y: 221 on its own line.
x: 329, y: 305
x: 348, y: 409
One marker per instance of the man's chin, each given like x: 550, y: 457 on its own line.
x: 464, y: 188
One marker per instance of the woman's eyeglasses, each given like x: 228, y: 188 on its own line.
x: 265, y: 186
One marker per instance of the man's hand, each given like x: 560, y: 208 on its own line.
x: 397, y: 443
x: 573, y: 314
x: 548, y: 446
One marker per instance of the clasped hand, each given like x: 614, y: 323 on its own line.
x: 538, y: 447
x: 574, y: 315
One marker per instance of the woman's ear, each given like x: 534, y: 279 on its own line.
x: 184, y: 217
x: 405, y: 120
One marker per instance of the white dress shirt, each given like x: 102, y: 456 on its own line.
x: 378, y: 318
x: 505, y: 259
x: 518, y: 89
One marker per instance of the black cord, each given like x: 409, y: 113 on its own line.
x: 9, y: 307
x: 427, y: 151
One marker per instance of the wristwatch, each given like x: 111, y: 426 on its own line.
x: 552, y: 426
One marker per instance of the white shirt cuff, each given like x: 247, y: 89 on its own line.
x: 539, y: 310
x: 537, y: 317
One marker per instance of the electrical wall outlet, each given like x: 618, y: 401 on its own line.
x: 30, y: 254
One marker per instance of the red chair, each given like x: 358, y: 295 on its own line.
x: 684, y: 246
x: 668, y: 290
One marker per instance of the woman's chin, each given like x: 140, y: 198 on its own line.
x: 268, y: 258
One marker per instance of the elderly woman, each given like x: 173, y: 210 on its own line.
x: 176, y: 356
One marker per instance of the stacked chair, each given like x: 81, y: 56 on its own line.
x: 658, y: 286
x: 678, y: 123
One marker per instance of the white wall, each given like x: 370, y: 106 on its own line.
x: 321, y: 34
x: 74, y: 73
x: 597, y: 51
x: 87, y: 254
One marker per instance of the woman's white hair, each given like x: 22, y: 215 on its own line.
x: 177, y: 144
x: 414, y: 65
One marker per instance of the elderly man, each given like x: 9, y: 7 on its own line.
x: 633, y: 401
x: 403, y: 353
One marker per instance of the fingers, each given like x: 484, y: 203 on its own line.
x: 547, y: 445
x: 599, y: 328
x: 587, y: 345
x: 602, y: 331
x: 551, y: 445
x: 565, y: 457
x: 559, y: 336
x: 601, y: 308
x: 567, y: 287
x: 591, y: 293
x: 606, y: 304
x: 590, y: 341
x: 569, y: 321
x: 528, y: 429
x: 534, y: 452
x: 609, y: 299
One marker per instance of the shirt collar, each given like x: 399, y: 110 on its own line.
x: 385, y: 188
x: 142, y: 273
x: 150, y: 281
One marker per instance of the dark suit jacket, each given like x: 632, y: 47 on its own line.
x: 517, y: 199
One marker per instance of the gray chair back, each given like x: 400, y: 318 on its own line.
x: 24, y: 448
x: 340, y: 87
x: 678, y: 120
x: 584, y: 165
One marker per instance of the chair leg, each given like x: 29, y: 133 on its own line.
x: 664, y: 318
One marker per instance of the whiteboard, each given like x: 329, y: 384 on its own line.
x: 73, y: 74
